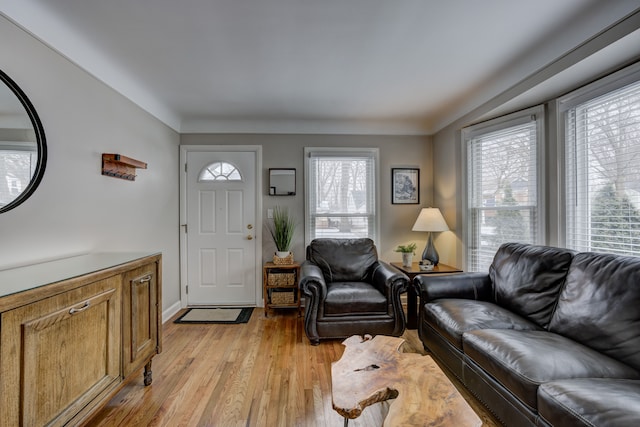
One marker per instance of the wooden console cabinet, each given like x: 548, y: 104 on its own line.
x: 72, y: 332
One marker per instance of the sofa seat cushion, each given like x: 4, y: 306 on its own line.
x: 452, y: 317
x: 353, y: 298
x: 590, y: 402
x: 522, y: 360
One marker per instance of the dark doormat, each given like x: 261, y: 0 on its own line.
x: 216, y: 315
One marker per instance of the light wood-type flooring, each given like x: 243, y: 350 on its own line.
x: 262, y: 373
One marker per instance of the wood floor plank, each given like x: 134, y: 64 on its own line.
x: 262, y: 373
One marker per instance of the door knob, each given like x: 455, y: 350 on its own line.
x: 249, y: 226
x: 249, y: 237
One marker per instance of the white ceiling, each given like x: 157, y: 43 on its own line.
x: 313, y: 66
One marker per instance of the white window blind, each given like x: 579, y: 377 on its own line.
x: 341, y: 187
x: 602, y: 156
x: 17, y: 164
x: 502, y: 186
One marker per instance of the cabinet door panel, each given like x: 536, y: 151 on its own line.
x: 140, y: 315
x: 67, y: 350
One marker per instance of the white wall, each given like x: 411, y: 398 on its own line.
x: 286, y: 151
x: 76, y: 209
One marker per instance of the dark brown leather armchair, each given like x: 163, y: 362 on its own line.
x: 348, y: 291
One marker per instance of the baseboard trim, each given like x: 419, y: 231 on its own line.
x: 171, y: 311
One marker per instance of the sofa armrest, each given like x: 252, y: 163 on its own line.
x: 476, y: 286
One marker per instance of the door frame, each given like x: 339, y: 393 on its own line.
x: 184, y: 150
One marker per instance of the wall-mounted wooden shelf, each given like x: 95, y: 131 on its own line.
x: 118, y: 166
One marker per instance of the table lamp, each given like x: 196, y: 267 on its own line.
x: 431, y: 220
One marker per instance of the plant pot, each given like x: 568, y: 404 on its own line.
x: 407, y: 259
x: 283, y: 258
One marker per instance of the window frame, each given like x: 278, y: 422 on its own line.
x: 329, y: 151
x: 500, y: 123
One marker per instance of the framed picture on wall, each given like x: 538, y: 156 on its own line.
x: 405, y: 186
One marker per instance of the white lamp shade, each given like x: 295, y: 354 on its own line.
x: 430, y: 219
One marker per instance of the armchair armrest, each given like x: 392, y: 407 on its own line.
x: 476, y: 286
x: 312, y: 281
x: 389, y: 280
x: 314, y: 288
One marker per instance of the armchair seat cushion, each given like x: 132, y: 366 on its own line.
x: 522, y: 360
x: 453, y: 317
x: 590, y: 402
x: 353, y: 298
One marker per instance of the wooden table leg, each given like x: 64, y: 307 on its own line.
x: 148, y: 378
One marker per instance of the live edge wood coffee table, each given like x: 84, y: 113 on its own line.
x: 375, y: 370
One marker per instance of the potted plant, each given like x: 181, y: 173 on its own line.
x: 282, y: 230
x: 408, y: 251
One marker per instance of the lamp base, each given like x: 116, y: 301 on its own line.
x: 430, y: 254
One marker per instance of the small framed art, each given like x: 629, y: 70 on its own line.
x: 405, y: 186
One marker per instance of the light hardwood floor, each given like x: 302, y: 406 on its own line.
x: 262, y: 373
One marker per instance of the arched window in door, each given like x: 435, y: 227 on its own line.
x: 219, y: 171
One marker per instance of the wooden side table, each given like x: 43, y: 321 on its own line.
x: 412, y: 297
x: 280, y: 286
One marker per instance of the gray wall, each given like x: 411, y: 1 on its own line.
x: 286, y: 151
x: 76, y: 209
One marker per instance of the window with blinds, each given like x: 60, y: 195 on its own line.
x: 602, y: 158
x: 341, y: 188
x: 503, y: 188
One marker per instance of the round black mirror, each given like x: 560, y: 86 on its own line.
x: 23, y: 150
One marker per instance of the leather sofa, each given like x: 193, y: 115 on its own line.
x: 548, y: 337
x: 349, y: 291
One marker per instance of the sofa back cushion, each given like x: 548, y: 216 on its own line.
x: 343, y: 260
x: 600, y: 305
x: 527, y: 279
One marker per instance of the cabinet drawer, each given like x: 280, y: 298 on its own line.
x: 59, y: 354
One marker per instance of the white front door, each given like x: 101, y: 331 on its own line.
x: 221, y: 227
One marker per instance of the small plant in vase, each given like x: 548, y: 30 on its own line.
x: 282, y: 230
x: 408, y: 251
